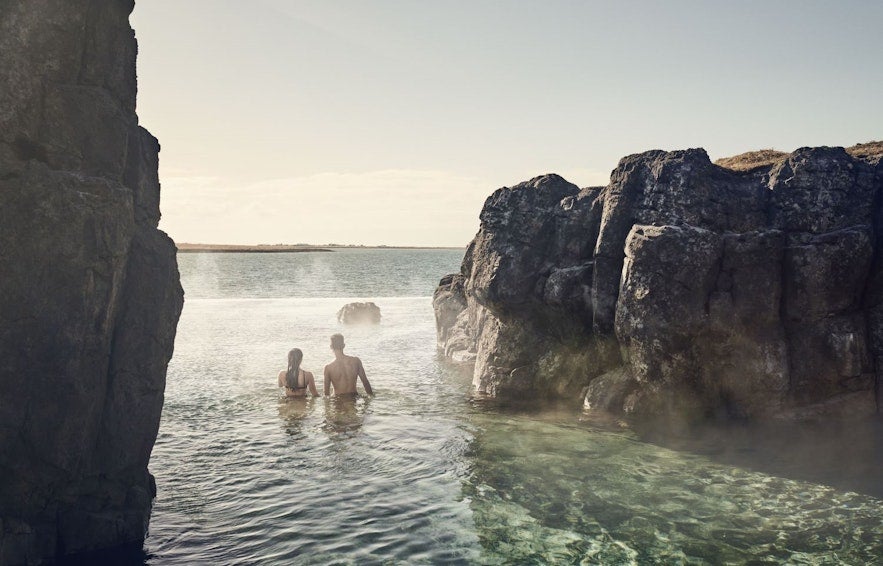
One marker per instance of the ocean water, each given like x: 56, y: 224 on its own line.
x: 422, y: 473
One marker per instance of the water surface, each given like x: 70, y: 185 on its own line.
x: 422, y: 473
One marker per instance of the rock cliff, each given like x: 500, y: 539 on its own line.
x: 682, y: 288
x: 89, y: 294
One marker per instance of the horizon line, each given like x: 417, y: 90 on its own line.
x: 198, y: 247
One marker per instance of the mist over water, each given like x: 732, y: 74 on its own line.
x: 342, y: 273
x: 422, y: 473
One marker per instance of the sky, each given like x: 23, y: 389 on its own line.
x: 388, y: 122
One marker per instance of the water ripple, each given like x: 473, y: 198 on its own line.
x: 422, y: 474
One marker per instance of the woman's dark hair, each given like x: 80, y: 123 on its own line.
x: 295, y: 357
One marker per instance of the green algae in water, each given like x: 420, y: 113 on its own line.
x: 543, y: 493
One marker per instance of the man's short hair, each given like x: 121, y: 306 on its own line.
x: 337, y: 341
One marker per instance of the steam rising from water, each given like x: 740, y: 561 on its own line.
x: 343, y: 273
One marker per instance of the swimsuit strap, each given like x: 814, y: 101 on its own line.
x: 297, y: 381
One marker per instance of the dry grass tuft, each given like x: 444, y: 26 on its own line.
x: 752, y: 160
x: 864, y: 150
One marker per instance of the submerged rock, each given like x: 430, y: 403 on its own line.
x: 359, y: 313
x: 90, y: 293
x: 682, y: 288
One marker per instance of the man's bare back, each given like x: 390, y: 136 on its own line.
x: 343, y: 371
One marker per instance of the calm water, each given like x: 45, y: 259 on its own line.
x: 422, y: 474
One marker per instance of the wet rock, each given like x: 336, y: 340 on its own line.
x: 453, y: 330
x: 359, y: 313
x: 90, y: 296
x: 682, y: 288
x: 611, y: 391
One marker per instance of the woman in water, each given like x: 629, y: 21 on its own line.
x: 294, y: 379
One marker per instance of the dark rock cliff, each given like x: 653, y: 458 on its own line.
x: 89, y: 293
x: 683, y: 288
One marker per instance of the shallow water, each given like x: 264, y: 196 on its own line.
x: 422, y: 473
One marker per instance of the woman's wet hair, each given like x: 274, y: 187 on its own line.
x: 295, y: 357
x: 337, y: 342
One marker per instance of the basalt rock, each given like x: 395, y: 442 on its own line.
x: 90, y: 293
x: 359, y: 313
x: 682, y: 288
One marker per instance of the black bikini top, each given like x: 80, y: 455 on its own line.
x: 297, y: 379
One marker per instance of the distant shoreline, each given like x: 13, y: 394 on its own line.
x: 261, y: 248
x: 284, y: 248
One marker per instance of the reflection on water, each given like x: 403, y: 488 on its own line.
x: 422, y: 474
x: 345, y: 414
x: 293, y: 411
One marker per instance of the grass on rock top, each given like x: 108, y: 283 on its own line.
x: 767, y: 157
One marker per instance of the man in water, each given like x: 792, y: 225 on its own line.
x: 342, y: 372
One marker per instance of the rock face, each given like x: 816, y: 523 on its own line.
x: 359, y: 313
x: 90, y: 294
x: 682, y: 288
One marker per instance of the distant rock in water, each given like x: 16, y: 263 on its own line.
x: 359, y: 313
x: 682, y: 288
x: 90, y: 294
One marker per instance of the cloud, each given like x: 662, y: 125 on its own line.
x: 393, y: 207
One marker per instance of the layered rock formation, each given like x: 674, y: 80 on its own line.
x: 90, y: 296
x: 681, y: 288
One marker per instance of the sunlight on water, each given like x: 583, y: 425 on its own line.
x: 421, y: 474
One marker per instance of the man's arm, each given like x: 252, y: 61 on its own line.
x: 364, y: 378
x: 327, y: 382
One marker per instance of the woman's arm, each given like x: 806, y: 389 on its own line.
x: 281, y: 379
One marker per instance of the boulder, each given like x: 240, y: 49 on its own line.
x: 90, y: 293
x: 359, y: 313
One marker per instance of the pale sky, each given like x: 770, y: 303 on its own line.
x: 390, y: 121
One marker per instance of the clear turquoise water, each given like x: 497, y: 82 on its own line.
x: 423, y: 474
